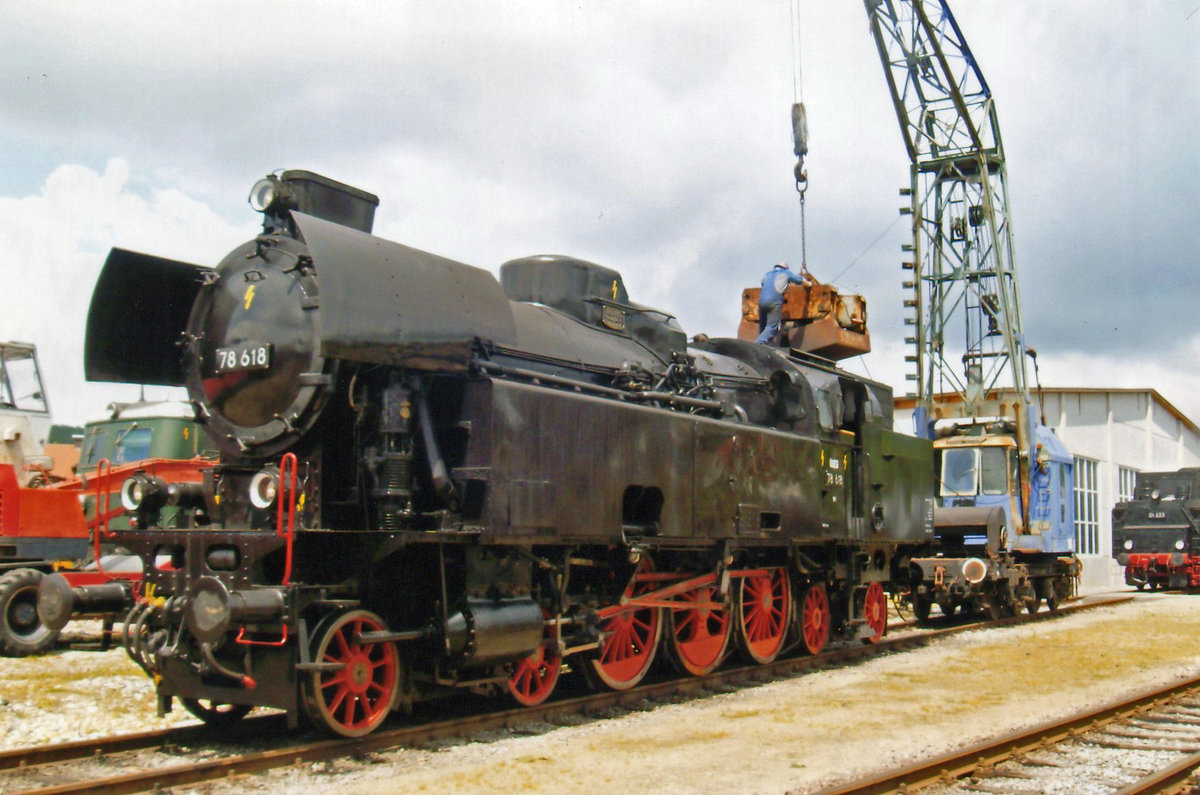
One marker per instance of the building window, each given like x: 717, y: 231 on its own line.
x: 1126, y: 479
x: 1087, y: 506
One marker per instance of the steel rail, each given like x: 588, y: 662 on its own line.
x: 20, y: 758
x: 982, y: 757
x: 456, y: 727
x: 1175, y: 778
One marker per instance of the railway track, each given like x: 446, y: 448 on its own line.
x: 1149, y: 743
x: 168, y: 758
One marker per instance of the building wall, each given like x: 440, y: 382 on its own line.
x: 1118, y: 429
x: 1135, y: 430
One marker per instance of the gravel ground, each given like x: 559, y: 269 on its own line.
x: 789, y: 736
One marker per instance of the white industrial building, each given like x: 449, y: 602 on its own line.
x: 1112, y: 434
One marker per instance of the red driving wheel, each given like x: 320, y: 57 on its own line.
x: 700, y: 634
x: 764, y: 608
x: 630, y: 638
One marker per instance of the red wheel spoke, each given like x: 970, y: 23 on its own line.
x: 524, y: 681
x: 688, y: 624
x: 338, y: 697
x: 336, y: 678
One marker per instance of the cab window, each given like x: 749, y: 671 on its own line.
x: 93, y: 448
x: 959, y: 468
x: 993, y: 470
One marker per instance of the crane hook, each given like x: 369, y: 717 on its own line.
x: 800, y: 139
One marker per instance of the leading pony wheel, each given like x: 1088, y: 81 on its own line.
x: 699, y: 635
x: 764, y: 608
x: 352, y: 699
x: 630, y: 639
x: 921, y: 605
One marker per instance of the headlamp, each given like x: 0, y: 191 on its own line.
x: 140, y: 492
x: 974, y: 570
x: 264, y: 488
x: 264, y: 193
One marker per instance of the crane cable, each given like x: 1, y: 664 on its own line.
x: 799, y: 125
x: 797, y: 65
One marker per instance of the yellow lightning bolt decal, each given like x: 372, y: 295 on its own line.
x: 248, y: 298
x: 614, y: 289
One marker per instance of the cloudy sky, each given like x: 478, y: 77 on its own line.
x: 652, y: 137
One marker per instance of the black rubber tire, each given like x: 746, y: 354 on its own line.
x: 21, y: 630
x: 1051, y: 595
x: 992, y: 607
x: 921, y: 607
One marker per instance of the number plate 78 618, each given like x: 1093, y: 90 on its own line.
x: 247, y: 356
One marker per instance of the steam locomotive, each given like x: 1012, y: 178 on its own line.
x: 1156, y: 535
x: 433, y: 480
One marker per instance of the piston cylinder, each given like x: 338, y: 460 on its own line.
x: 487, y: 632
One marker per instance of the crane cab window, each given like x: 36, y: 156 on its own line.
x: 967, y: 471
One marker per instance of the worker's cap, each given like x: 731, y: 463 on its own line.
x: 781, y: 265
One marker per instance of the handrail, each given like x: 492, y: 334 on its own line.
x: 103, y: 495
x: 287, y: 494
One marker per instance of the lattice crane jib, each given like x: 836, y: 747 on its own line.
x: 968, y: 344
x: 967, y: 333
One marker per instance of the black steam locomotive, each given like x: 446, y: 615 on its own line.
x: 431, y: 480
x: 1156, y: 535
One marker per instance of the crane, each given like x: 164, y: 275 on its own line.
x: 972, y: 393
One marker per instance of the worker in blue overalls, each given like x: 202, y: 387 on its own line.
x: 770, y: 300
